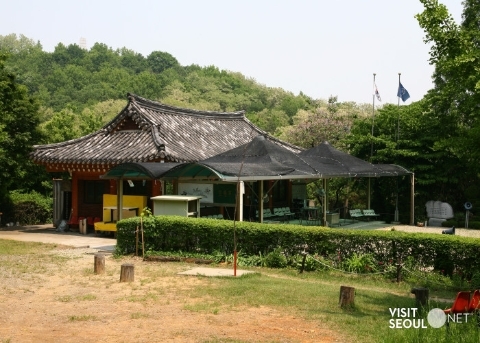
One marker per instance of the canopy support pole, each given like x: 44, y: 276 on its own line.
x: 119, y: 199
x: 412, y: 199
x: 260, y: 201
x: 324, y: 209
x: 368, y: 193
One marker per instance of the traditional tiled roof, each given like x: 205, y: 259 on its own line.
x: 148, y: 131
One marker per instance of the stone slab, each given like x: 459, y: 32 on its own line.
x: 214, y: 272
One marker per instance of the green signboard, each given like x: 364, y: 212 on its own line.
x: 224, y: 193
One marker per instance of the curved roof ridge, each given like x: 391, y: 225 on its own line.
x: 70, y: 141
x: 155, y: 105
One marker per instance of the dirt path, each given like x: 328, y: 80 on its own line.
x: 44, y: 300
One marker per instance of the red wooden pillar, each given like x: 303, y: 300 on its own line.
x: 156, y: 188
x: 75, y: 194
x: 113, y: 186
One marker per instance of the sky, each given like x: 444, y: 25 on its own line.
x: 318, y: 47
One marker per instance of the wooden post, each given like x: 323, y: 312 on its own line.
x: 421, y: 296
x: 84, y: 226
x: 136, y: 241
x: 304, y: 253
x: 127, y: 272
x: 347, y: 296
x: 399, y: 270
x: 99, y: 264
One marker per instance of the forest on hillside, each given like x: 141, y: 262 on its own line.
x: 48, y: 97
x: 89, y: 87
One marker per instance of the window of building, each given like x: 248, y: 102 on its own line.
x: 93, y: 191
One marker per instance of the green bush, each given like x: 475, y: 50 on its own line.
x: 31, y: 208
x: 275, y: 259
x: 452, y: 254
x: 360, y: 263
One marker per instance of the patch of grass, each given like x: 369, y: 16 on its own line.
x: 141, y: 297
x: 87, y: 271
x: 465, y: 332
x: 65, y: 298
x: 82, y: 318
x: 87, y: 297
x: 138, y: 315
x: 9, y: 247
x: 225, y: 340
x: 70, y: 298
x: 315, y: 296
x: 204, y: 306
x: 26, y: 259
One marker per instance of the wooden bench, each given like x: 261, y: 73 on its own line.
x: 283, y: 214
x: 102, y: 226
x: 369, y: 214
x: 356, y: 214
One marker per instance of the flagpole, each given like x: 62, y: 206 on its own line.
x: 398, y: 112
x: 396, y: 215
x: 373, y: 117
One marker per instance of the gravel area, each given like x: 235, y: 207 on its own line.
x: 437, y: 230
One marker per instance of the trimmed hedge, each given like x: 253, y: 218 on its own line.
x: 171, y: 233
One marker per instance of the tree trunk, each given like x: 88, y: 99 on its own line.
x: 421, y: 296
x: 99, y: 264
x: 127, y: 272
x: 347, y: 296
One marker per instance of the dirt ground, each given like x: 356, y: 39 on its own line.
x: 58, y: 298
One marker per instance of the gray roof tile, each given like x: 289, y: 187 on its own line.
x: 147, y: 131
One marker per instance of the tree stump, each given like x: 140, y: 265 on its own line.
x: 421, y: 296
x: 127, y: 272
x: 82, y: 226
x: 347, y: 296
x: 99, y: 264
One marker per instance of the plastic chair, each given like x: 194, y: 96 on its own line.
x: 474, y: 302
x: 461, y: 303
x: 73, y: 221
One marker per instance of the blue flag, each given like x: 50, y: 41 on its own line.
x: 402, y: 92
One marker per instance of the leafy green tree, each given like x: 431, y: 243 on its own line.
x: 132, y: 60
x: 19, y: 121
x: 21, y: 45
x: 270, y: 119
x: 62, y: 126
x: 100, y: 56
x: 160, y: 61
x: 439, y: 173
x: 455, y: 53
x: 100, y: 114
x: 328, y: 121
x: 291, y: 104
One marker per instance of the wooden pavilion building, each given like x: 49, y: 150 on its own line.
x: 144, y: 131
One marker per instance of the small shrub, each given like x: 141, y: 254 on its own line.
x: 360, y: 263
x: 275, y: 259
x: 31, y: 208
x: 475, y: 281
